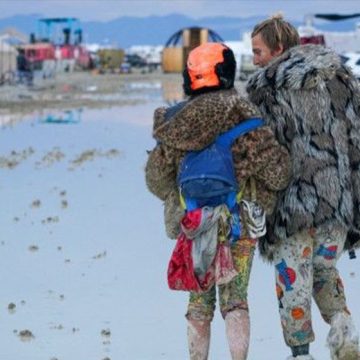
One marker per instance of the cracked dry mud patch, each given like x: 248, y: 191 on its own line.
x: 12, y: 308
x: 92, y: 154
x: 26, y: 335
x: 16, y: 157
x: 33, y: 248
x: 99, y: 255
x: 51, y: 157
x: 36, y: 204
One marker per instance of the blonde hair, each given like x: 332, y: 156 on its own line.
x: 276, y: 31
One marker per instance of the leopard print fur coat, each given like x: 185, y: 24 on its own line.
x: 312, y: 103
x: 196, y: 125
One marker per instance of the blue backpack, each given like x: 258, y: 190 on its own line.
x: 207, y: 177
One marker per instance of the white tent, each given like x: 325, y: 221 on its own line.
x: 7, y: 58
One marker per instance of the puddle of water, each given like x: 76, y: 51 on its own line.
x: 144, y: 85
x: 70, y: 235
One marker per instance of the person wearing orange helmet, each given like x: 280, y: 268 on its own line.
x: 213, y: 108
x: 312, y: 102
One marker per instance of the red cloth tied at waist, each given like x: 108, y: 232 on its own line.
x: 181, y: 273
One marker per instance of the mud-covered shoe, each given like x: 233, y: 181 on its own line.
x: 301, y: 357
x: 343, y: 339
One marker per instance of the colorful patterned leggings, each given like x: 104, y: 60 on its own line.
x: 305, y: 267
x: 232, y: 295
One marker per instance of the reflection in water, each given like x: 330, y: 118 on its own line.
x: 172, y: 91
x: 143, y: 85
x: 7, y: 120
x: 168, y: 88
x: 62, y: 117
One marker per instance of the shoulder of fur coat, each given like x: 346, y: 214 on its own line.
x: 202, y: 119
x: 301, y: 67
x: 194, y: 127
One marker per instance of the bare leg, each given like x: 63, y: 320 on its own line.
x: 198, y: 333
x: 237, y: 324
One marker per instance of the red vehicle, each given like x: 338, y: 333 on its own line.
x: 46, y: 53
x: 39, y: 51
x: 312, y: 39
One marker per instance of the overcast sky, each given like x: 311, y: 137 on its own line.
x: 104, y: 10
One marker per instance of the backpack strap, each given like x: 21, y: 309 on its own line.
x: 240, y: 194
x: 243, y: 128
x: 173, y: 110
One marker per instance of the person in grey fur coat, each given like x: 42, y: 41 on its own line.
x: 312, y: 103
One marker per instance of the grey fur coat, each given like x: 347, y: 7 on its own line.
x: 312, y: 103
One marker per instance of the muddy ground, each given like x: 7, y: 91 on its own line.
x: 83, y: 251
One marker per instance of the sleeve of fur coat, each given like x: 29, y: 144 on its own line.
x: 160, y: 171
x: 353, y: 115
x: 265, y: 159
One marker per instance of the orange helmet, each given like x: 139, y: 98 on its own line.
x: 209, y: 66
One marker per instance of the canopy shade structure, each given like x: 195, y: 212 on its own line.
x: 177, y: 37
x: 336, y: 17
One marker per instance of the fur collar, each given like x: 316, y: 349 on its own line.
x: 301, y: 67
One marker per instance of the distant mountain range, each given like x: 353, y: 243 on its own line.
x: 156, y: 30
